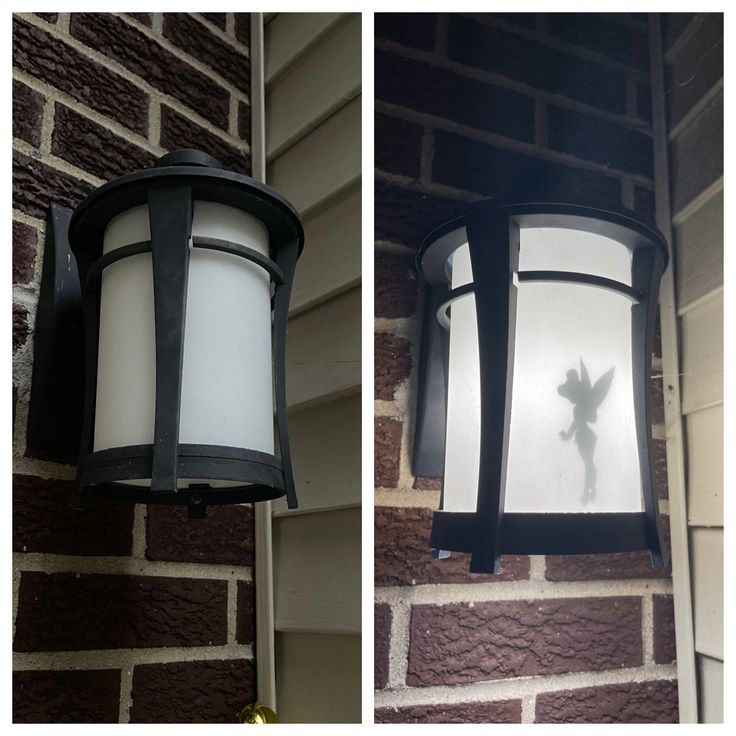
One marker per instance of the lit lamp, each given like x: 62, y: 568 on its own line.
x: 184, y: 275
x: 534, y: 382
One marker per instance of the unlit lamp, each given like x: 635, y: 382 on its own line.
x: 535, y: 404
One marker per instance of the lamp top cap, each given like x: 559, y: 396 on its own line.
x: 188, y: 157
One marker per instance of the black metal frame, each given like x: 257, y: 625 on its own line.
x: 492, y: 234
x: 170, y: 190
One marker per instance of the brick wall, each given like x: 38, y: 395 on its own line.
x: 121, y: 613
x: 471, y: 107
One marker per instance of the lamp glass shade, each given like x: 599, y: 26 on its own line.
x: 227, y: 378
x: 572, y: 443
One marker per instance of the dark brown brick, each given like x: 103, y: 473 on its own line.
x: 54, y: 62
x: 429, y: 89
x: 594, y: 32
x: 67, y: 611
x: 659, y: 460
x: 664, y: 629
x: 427, y: 484
x: 92, y: 147
x: 500, y: 711
x: 392, y: 364
x: 403, y: 557
x: 244, y: 121
x: 381, y: 644
x: 644, y: 204
x: 198, y: 41
x: 48, y: 17
x: 44, y: 522
x: 398, y: 147
x: 20, y: 326
x: 192, y: 692
x: 25, y: 240
x: 541, y: 67
x: 145, y: 18
x: 387, y: 452
x: 405, y: 216
x: 225, y: 537
x: 673, y: 24
x: 395, y: 289
x: 143, y: 56
x: 218, y: 19
x: 242, y: 28
x: 620, y: 566
x: 408, y: 29
x: 511, y: 176
x: 616, y: 146
x: 657, y: 404
x: 36, y: 186
x: 631, y: 702
x: 27, y: 113
x: 66, y: 696
x: 180, y: 132
x: 246, y: 624
x: 461, y: 643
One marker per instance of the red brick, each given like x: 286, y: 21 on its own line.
x: 427, y: 484
x: 395, y: 284
x: 403, y: 557
x: 192, y: 692
x: 178, y: 131
x: 462, y: 643
x: 27, y: 113
x: 20, y: 326
x: 398, y: 146
x: 92, y: 147
x: 55, y: 63
x: 245, y: 629
x: 631, y: 702
x: 25, y: 240
x: 198, y: 41
x: 116, y: 39
x: 664, y: 629
x: 392, y: 364
x: 68, y: 611
x: 225, y: 537
x: 381, y: 644
x: 387, y: 452
x: 500, y: 711
x: 66, y: 696
x: 36, y: 186
x: 44, y: 522
x: 619, y: 566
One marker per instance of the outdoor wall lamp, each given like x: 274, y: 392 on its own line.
x: 182, y: 280
x: 534, y: 382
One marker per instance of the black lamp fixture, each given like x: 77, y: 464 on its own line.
x: 535, y: 398
x: 181, y: 276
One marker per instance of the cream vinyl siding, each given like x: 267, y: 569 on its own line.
x: 313, y: 156
x: 695, y: 121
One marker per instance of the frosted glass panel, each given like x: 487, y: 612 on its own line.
x: 462, y: 445
x: 559, y: 249
x: 572, y: 436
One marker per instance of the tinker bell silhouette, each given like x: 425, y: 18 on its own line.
x: 586, y: 399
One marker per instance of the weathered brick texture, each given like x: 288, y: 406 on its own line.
x: 381, y: 644
x: 392, y: 364
x: 463, y: 643
x: 664, y: 629
x: 74, y: 696
x: 25, y: 241
x: 395, y: 291
x: 44, y: 522
x: 67, y: 611
x: 160, y: 68
x: 401, y: 150
x: 501, y: 711
x: 245, y: 630
x: 635, y: 702
x: 387, y: 451
x: 403, y: 556
x: 20, y: 326
x: 192, y: 692
x: 27, y: 112
x: 225, y: 537
x: 56, y: 63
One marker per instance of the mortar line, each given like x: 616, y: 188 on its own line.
x: 389, y: 246
x: 63, y: 22
x: 126, y: 692
x: 138, y: 544
x: 647, y: 628
x: 230, y: 24
x: 442, y: 190
x: 528, y: 705
x: 398, y: 658
x: 233, y: 117
x: 231, y: 40
x: 47, y: 125
x: 406, y: 498
x: 56, y: 163
x: 232, y: 610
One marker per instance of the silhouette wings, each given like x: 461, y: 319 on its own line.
x: 579, y: 391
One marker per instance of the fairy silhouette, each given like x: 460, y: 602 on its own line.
x: 586, y: 399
